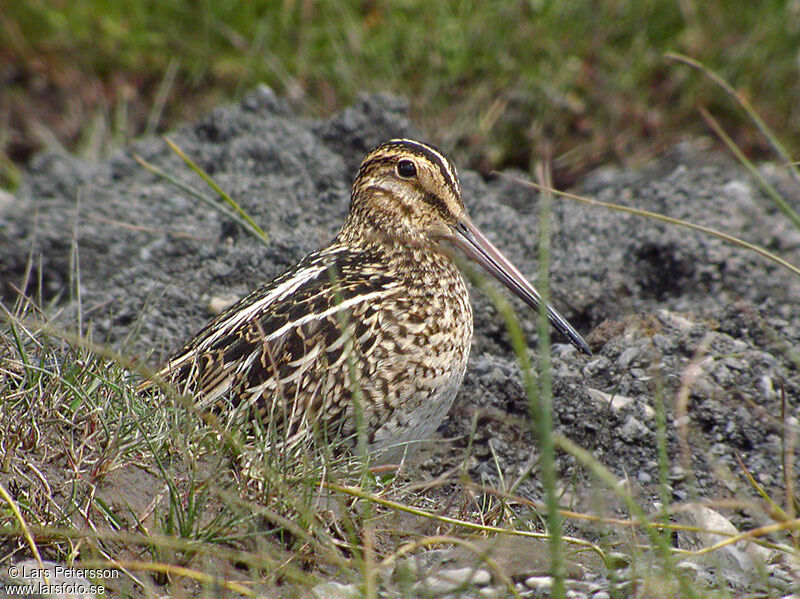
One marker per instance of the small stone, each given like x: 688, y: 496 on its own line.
x: 590, y: 587
x: 633, y: 430
x: 617, y: 561
x: 600, y: 364
x: 623, y: 586
x: 539, y: 582
x: 335, y: 590
x: 736, y: 562
x: 626, y: 357
x: 688, y: 566
x: 674, y: 320
x: 639, y: 374
x: 465, y: 576
x: 677, y: 474
x: 738, y: 191
x: 662, y: 342
x: 618, y: 402
x: 434, y: 585
x: 735, y: 363
x: 680, y: 495
x: 778, y: 571
x: 496, y: 376
x: 601, y: 595
x: 217, y: 304
x: 263, y: 98
x: 779, y: 584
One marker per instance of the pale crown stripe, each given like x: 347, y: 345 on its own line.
x: 445, y: 162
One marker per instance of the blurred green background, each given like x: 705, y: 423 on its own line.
x: 498, y: 83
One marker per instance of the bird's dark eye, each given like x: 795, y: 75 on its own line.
x: 406, y: 169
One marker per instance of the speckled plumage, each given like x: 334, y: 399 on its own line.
x: 374, y: 328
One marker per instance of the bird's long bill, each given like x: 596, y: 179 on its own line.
x: 469, y: 239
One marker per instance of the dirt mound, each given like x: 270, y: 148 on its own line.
x: 650, y: 297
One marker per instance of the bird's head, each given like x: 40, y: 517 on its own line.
x: 408, y: 192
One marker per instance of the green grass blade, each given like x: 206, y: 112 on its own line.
x: 191, y: 191
x: 252, y: 225
x: 540, y: 396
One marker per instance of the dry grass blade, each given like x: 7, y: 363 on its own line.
x: 162, y: 96
x: 605, y: 476
x: 661, y: 217
x: 154, y: 230
x: 260, y: 560
x: 742, y: 101
x: 105, y: 352
x: 24, y: 526
x: 777, y: 512
x: 760, y: 124
x: 768, y: 188
x: 170, y: 569
x: 437, y: 540
x: 477, y: 528
x: 749, y: 535
x: 682, y: 419
x: 191, y: 191
x: 630, y: 523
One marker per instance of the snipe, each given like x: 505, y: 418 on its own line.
x: 374, y: 329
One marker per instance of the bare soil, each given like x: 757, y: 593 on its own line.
x: 661, y: 306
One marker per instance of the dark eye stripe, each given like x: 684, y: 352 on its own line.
x: 438, y: 205
x: 391, y: 153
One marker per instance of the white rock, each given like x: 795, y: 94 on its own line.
x: 218, y: 304
x: 335, y: 590
x: 463, y: 576
x: 490, y: 593
x: 633, y: 430
x: 618, y: 402
x: 539, y: 582
x: 742, y: 557
x: 675, y: 320
x: 626, y: 357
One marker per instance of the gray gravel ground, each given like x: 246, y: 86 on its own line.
x: 649, y: 296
